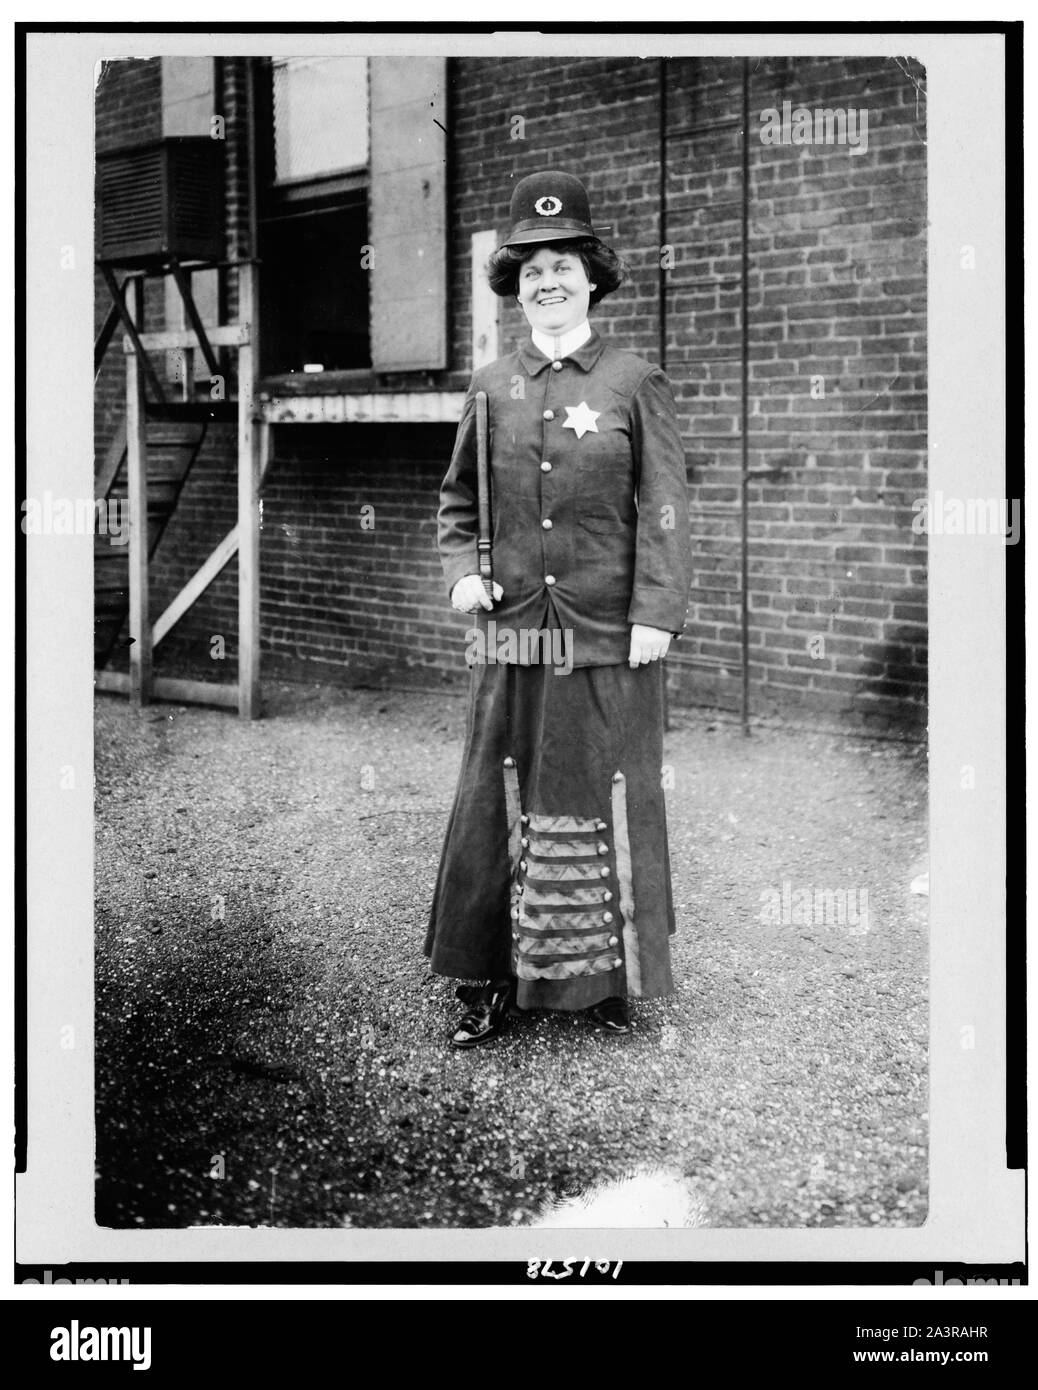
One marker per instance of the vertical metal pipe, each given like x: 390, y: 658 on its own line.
x: 663, y: 214
x: 253, y: 432
x: 221, y: 77
x: 137, y: 498
x: 250, y: 455
x: 745, y: 421
x: 252, y: 172
x: 662, y: 294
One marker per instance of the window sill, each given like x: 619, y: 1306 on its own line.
x: 362, y: 381
x: 374, y: 406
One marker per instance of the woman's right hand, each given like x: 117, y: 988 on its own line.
x: 469, y: 594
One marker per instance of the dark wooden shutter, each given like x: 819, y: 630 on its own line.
x: 408, y: 221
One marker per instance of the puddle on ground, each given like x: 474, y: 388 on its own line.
x: 642, y: 1196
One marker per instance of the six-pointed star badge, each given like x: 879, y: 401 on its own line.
x: 581, y: 419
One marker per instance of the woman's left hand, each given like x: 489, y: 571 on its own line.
x: 647, y: 644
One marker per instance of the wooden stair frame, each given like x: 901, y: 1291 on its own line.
x: 242, y: 540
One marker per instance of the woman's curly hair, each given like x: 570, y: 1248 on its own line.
x: 604, y: 267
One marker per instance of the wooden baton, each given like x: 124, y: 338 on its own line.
x: 486, y: 564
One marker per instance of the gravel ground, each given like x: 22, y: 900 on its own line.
x: 272, y: 1049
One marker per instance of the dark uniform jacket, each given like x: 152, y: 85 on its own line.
x: 588, y: 495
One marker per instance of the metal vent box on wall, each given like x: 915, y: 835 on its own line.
x: 161, y: 200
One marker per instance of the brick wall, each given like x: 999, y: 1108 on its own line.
x: 128, y: 103
x: 234, y: 103
x: 596, y: 117
x: 351, y: 584
x: 128, y: 111
x: 836, y: 305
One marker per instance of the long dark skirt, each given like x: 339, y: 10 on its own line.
x: 555, y: 868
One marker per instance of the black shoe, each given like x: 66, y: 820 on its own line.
x: 486, y: 1015
x: 613, y: 1015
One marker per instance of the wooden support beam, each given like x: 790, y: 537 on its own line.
x: 253, y: 460
x: 137, y: 491
x: 113, y: 461
x: 118, y: 297
x: 227, y: 335
x: 105, y: 337
x: 195, y: 586
x: 250, y: 453
x: 167, y: 688
x: 183, y: 283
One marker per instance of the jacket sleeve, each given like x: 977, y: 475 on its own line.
x: 663, y: 553
x: 457, y: 521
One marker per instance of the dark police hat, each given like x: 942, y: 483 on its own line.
x: 550, y: 206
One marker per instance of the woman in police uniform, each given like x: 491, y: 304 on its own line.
x: 554, y: 882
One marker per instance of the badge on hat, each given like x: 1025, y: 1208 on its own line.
x: 550, y: 206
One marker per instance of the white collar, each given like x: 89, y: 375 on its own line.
x: 561, y: 346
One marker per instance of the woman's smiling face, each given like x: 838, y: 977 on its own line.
x: 554, y: 290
